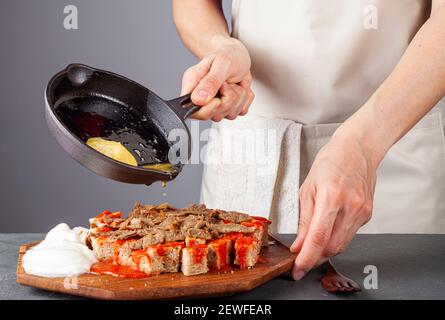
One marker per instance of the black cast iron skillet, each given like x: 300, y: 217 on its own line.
x: 113, y: 96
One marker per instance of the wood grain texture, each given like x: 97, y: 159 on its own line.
x: 277, y: 260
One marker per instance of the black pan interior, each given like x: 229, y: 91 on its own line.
x: 89, y: 117
x: 102, y: 104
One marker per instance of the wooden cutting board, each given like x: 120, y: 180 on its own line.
x: 276, y: 260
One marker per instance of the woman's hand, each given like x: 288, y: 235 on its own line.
x: 335, y: 201
x: 225, y: 71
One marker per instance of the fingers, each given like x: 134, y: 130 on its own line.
x: 357, y: 212
x: 193, y: 75
x: 328, y: 231
x: 306, y: 211
x: 205, y: 79
x: 340, y: 233
x: 233, y: 101
x: 326, y: 208
x: 246, y: 85
x: 206, y: 112
x: 233, y: 97
x: 217, y: 71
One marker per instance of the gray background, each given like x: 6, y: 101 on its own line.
x: 40, y: 185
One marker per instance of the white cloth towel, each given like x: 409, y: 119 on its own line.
x: 253, y: 166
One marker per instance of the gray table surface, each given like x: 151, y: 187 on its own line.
x: 409, y: 267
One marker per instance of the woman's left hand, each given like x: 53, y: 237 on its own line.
x: 335, y: 201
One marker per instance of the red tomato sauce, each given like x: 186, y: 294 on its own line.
x: 242, y: 245
x: 262, y: 219
x: 221, y: 246
x: 112, y: 269
x: 198, y: 252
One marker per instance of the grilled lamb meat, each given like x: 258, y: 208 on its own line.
x: 231, y: 227
x: 140, y: 211
x: 199, y: 233
x: 136, y: 223
x: 169, y: 223
x: 233, y: 216
x: 175, y: 235
x: 193, y: 221
x: 155, y: 237
x: 111, y: 222
x: 149, y: 211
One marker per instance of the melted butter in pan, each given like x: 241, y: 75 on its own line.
x: 164, y: 167
x: 113, y: 150
x: 118, y: 152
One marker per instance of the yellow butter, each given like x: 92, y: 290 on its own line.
x: 113, y: 150
x: 164, y: 167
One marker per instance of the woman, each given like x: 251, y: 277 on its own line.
x: 352, y: 89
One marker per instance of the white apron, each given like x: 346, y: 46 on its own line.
x: 314, y: 64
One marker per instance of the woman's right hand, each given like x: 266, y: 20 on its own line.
x: 225, y: 71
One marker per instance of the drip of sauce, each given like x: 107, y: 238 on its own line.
x: 222, y: 252
x: 242, y: 245
x: 112, y: 269
x: 221, y: 248
x: 116, y: 247
x: 138, y: 255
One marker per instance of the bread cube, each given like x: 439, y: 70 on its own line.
x: 171, y: 252
x: 219, y: 254
x: 149, y: 260
x: 247, y: 251
x: 102, y: 248
x: 194, y: 260
x: 125, y: 250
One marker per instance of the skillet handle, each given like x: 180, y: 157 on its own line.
x: 183, y: 106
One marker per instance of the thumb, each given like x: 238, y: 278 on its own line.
x: 193, y: 75
x: 209, y: 85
